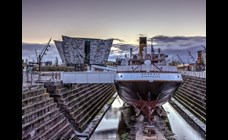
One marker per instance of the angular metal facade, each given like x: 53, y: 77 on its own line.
x: 58, y: 45
x: 72, y: 50
x: 99, y: 51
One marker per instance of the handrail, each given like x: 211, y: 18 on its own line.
x: 201, y: 74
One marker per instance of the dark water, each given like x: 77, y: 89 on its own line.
x: 179, y: 126
x: 107, y: 129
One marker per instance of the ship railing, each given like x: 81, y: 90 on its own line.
x: 201, y: 74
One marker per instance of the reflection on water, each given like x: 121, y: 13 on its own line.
x: 179, y: 126
x: 107, y: 129
x: 108, y: 126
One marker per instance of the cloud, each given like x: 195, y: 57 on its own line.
x: 142, y: 35
x: 119, y: 50
x: 168, y: 45
x: 180, y: 45
x: 123, y: 47
x: 187, y: 44
x: 177, y: 38
x: 117, y: 39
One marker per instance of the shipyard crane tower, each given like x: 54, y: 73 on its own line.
x: 42, y: 53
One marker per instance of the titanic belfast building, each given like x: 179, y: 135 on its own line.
x: 79, y: 51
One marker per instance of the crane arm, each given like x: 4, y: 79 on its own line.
x: 180, y: 59
x: 44, y: 50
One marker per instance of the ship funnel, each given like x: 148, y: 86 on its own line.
x: 152, y: 50
x: 131, y: 50
x: 142, y: 44
x: 144, y: 52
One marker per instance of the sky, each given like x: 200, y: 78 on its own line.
x: 125, y: 20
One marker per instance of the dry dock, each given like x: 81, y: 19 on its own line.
x: 51, y: 110
x: 190, y: 100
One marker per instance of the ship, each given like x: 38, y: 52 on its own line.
x: 145, y: 81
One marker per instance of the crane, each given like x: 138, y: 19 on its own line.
x: 42, y: 53
x: 180, y: 59
x: 191, y: 56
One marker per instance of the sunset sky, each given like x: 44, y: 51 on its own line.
x: 122, y: 19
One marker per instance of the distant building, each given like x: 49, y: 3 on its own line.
x: 80, y: 51
x: 48, y: 63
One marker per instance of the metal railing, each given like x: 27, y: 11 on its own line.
x: 201, y: 74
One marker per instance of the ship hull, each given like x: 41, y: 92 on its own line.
x: 145, y: 95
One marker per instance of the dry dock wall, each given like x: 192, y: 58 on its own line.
x: 81, y: 102
x: 41, y: 118
x: 192, y: 95
x: 60, y: 112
